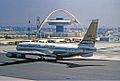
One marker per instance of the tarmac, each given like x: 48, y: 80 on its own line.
x: 104, y: 65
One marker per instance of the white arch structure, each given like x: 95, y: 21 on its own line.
x: 64, y: 11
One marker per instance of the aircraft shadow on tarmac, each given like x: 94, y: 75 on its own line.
x: 68, y: 64
x: 74, y: 65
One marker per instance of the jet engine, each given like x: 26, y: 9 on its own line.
x: 10, y: 55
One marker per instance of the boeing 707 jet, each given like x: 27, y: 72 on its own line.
x: 85, y: 48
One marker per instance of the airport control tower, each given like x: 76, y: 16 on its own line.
x: 38, y: 26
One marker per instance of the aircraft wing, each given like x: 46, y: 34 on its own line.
x: 25, y: 52
x: 38, y: 53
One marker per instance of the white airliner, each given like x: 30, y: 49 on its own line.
x: 85, y: 48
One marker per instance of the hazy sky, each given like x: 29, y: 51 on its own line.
x: 18, y: 12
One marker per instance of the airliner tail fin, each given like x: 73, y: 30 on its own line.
x: 90, y: 36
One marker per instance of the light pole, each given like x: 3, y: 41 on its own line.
x: 29, y: 30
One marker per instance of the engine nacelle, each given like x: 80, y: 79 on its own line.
x: 20, y: 56
x: 10, y: 55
